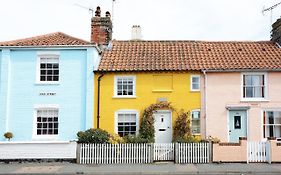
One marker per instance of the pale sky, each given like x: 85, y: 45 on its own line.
x: 208, y: 20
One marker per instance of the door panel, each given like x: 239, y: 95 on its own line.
x: 237, y: 125
x: 163, y: 127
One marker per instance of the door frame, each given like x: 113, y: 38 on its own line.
x: 247, y: 121
x: 171, y: 119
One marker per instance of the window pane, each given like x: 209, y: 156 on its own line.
x: 195, y: 80
x: 249, y: 92
x: 126, y: 124
x: 47, y: 124
x: 195, y: 86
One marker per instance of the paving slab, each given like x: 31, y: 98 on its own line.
x: 140, y: 169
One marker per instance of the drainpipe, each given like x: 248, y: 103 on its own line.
x: 98, y: 105
x: 205, y: 102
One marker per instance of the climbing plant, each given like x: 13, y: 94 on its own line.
x: 147, y: 132
x: 181, y: 129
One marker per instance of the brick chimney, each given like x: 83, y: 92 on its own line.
x: 101, y: 28
x: 276, y: 31
x: 136, y: 32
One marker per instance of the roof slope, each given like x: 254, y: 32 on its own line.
x: 190, y: 55
x: 52, y: 39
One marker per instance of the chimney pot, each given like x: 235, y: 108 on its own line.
x: 136, y: 32
x: 98, y: 11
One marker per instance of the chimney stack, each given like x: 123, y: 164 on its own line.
x: 101, y: 28
x: 136, y: 32
x: 276, y: 31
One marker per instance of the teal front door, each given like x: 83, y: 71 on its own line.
x: 237, y: 125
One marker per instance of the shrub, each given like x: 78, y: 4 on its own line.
x: 8, y: 135
x: 188, y: 139
x: 182, y: 126
x: 93, y: 136
x: 115, y: 139
x: 136, y: 139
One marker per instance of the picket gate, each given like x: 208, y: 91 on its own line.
x: 258, y: 151
x: 164, y: 152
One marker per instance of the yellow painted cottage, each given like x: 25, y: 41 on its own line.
x: 132, y: 75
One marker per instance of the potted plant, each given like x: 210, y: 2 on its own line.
x: 8, y: 135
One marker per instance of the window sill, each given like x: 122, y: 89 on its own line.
x: 194, y: 90
x: 254, y: 100
x: 124, y: 97
x: 47, y: 83
x: 45, y: 138
x: 162, y: 91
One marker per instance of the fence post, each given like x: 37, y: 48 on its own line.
x: 152, y: 152
x: 78, y: 153
x: 268, y: 151
x: 210, y: 152
x: 176, y: 152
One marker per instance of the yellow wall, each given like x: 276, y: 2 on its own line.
x: 175, y: 86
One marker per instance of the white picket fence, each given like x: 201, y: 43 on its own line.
x: 258, y: 151
x: 193, y: 152
x: 163, y: 151
x: 143, y: 153
x: 115, y: 153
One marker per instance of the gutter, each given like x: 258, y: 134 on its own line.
x: 242, y: 70
x: 98, y: 102
x: 53, y: 46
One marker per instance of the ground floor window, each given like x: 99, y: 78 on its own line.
x: 195, y: 122
x: 272, y: 124
x: 47, y: 121
x: 126, y: 123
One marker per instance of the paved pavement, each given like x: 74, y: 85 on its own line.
x: 140, y: 169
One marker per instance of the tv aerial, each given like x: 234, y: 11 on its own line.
x: 90, y: 9
x: 270, y: 9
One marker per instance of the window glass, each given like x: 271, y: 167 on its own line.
x: 47, y: 122
x: 125, y: 86
x: 195, y: 122
x: 127, y: 124
x: 253, y: 86
x: 49, y: 69
x: 272, y: 124
x: 195, y: 83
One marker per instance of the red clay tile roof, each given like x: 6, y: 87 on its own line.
x: 190, y: 55
x: 52, y: 39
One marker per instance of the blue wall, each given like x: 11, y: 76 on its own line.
x: 76, y: 84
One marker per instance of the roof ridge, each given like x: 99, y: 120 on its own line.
x: 54, y: 38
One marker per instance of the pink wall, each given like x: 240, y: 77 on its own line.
x: 224, y: 89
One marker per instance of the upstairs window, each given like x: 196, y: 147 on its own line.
x: 254, y: 86
x: 49, y: 69
x: 195, y: 83
x: 125, y: 86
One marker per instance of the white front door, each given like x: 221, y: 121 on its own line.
x: 163, y: 126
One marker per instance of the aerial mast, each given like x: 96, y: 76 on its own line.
x: 270, y: 9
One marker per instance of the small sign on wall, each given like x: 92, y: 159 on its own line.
x: 47, y: 93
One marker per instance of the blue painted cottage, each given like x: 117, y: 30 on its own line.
x: 47, y: 84
x: 46, y: 87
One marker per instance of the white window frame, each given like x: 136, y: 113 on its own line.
x: 195, y: 110
x: 126, y: 111
x: 265, y: 87
x: 191, y: 82
x: 34, y: 130
x: 115, y: 86
x: 49, y: 54
x: 264, y: 125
